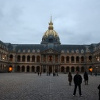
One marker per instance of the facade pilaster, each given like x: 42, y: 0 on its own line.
x: 25, y: 69
x: 20, y: 68
x: 30, y: 69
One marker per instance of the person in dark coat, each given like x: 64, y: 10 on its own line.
x: 86, y: 78
x: 70, y: 78
x: 99, y: 91
x: 77, y: 82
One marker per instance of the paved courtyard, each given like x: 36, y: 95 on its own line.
x: 29, y: 86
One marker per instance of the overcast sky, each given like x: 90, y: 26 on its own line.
x: 25, y: 21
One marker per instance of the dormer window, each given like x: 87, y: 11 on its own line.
x: 72, y: 51
x: 77, y: 51
x: 33, y: 50
x: 38, y: 50
x: 82, y: 51
x: 28, y: 50
x: 23, y: 50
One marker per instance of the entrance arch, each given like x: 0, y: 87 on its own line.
x: 38, y: 69
x: 28, y: 68
x: 18, y: 68
x: 72, y: 69
x: 62, y: 69
x: 23, y: 68
x: 50, y: 69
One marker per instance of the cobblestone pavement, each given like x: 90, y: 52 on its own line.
x: 29, y: 86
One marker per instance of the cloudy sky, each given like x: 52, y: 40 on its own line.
x: 25, y: 21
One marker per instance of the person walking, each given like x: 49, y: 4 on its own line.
x: 99, y: 91
x: 86, y: 78
x: 70, y: 78
x: 77, y: 83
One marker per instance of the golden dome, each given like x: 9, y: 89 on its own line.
x: 50, y: 30
x: 50, y: 36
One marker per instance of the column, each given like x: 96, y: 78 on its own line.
x: 30, y: 58
x: 64, y: 69
x: 20, y: 58
x: 41, y: 58
x: 69, y: 59
x: 59, y: 59
x: 20, y: 68
x: 64, y: 59
x: 69, y: 68
x: 47, y: 70
x: 35, y: 58
x: 25, y: 58
x: 35, y: 69
x: 74, y: 68
x: 30, y: 69
x: 25, y: 69
x: 13, y: 68
x: 74, y: 59
x: 40, y: 68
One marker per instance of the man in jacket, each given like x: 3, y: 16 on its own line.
x: 77, y: 82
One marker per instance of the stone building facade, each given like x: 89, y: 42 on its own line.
x: 49, y: 56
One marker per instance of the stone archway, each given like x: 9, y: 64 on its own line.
x: 62, y: 69
x: 67, y: 69
x: 38, y: 69
x: 33, y: 69
x: 28, y: 68
x: 50, y: 69
x: 72, y: 69
x: 23, y: 68
x: 18, y: 68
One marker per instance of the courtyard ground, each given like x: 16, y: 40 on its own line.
x: 30, y: 86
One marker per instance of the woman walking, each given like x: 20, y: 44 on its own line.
x: 70, y: 78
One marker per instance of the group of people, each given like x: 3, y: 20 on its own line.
x: 78, y: 80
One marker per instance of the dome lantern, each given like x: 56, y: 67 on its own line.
x: 50, y: 36
x: 50, y: 25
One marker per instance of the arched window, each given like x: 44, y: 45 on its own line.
x: 72, y: 59
x: 82, y: 69
x: 38, y: 58
x: 23, y: 58
x: 72, y: 69
x: 18, y: 58
x: 44, y: 58
x: 62, y: 59
x: 33, y: 69
x: 90, y: 58
x: 62, y: 69
x: 23, y: 68
x: 67, y: 69
x: 77, y: 68
x: 18, y: 68
x: 77, y: 59
x: 38, y: 69
x: 33, y: 58
x: 67, y: 59
x: 28, y: 58
x: 11, y: 57
x: 82, y: 59
x: 50, y: 58
x: 56, y: 58
x: 28, y: 68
